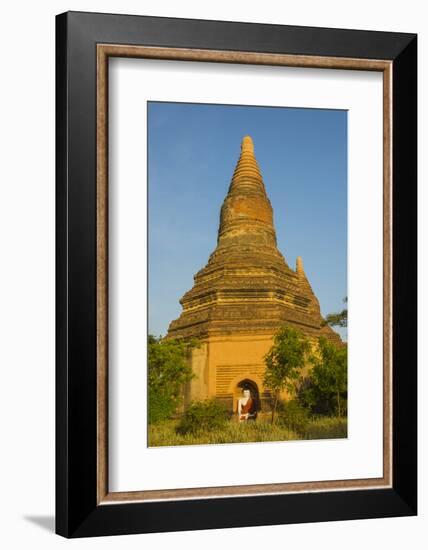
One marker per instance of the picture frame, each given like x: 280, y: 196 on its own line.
x: 84, y: 44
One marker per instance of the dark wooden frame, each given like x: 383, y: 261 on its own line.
x: 82, y: 504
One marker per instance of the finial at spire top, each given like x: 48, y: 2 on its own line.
x: 299, y: 265
x: 247, y: 144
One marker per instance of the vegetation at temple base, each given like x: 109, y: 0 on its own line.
x: 284, y: 362
x: 324, y: 390
x: 315, y: 379
x: 165, y: 433
x: 293, y: 416
x: 203, y: 416
x: 168, y: 371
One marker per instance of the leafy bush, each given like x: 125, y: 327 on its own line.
x: 324, y: 389
x: 161, y: 405
x: 313, y: 399
x: 203, y: 416
x: 293, y: 416
x: 169, y: 371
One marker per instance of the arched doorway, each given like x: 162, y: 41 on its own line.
x: 248, y: 385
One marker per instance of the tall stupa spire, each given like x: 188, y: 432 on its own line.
x: 247, y: 172
x: 246, y: 215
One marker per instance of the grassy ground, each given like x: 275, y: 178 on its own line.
x: 164, y: 433
x: 326, y: 428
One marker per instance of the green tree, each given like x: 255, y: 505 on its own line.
x: 168, y: 371
x: 339, y: 319
x: 284, y: 362
x: 325, y: 389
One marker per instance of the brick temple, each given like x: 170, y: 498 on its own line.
x: 244, y: 294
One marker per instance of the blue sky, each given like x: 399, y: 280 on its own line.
x: 192, y: 152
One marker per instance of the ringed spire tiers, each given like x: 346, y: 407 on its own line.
x: 246, y: 215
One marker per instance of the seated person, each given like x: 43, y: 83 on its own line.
x: 247, y: 407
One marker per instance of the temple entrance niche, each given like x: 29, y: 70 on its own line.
x: 246, y: 384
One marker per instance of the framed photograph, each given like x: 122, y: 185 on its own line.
x: 236, y: 274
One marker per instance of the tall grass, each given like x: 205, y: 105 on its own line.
x: 165, y: 433
x: 326, y: 428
